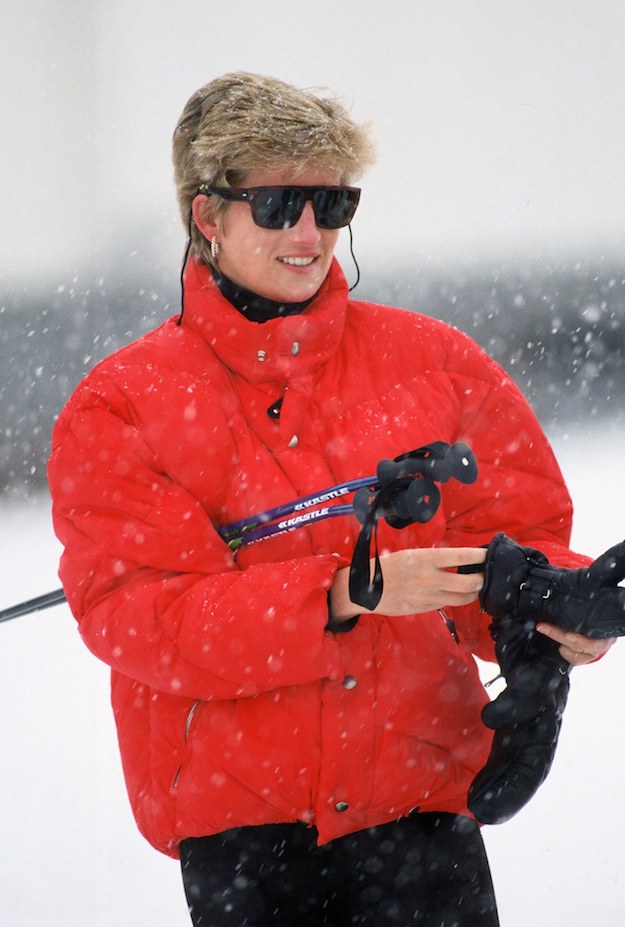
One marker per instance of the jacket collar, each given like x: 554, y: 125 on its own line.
x: 280, y: 349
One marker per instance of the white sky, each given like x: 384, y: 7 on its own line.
x: 500, y: 124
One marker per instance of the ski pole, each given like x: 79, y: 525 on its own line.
x: 251, y: 532
x: 33, y: 605
x: 260, y: 532
x: 236, y: 529
x: 253, y: 528
x: 432, y: 458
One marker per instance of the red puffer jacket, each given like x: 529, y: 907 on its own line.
x: 234, y: 705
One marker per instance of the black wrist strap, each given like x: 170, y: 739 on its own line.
x: 536, y: 590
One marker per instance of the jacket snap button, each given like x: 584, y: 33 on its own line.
x: 294, y: 441
x: 295, y: 348
x: 341, y: 806
x: 350, y: 682
x: 262, y: 355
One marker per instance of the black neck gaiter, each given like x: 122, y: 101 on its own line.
x: 254, y: 307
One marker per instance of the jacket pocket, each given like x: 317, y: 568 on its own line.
x: 191, y: 714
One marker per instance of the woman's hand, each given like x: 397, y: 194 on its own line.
x: 575, y: 648
x: 415, y: 580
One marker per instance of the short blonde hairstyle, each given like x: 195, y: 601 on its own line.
x: 244, y: 122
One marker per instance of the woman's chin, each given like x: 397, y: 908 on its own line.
x: 297, y: 287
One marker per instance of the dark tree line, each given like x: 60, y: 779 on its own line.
x: 559, y: 331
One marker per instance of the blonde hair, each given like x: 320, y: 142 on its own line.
x: 245, y: 122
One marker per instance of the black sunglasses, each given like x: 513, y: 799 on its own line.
x: 282, y: 207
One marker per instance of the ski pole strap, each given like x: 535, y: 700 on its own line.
x: 364, y: 589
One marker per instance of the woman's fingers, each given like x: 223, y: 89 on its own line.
x: 416, y: 580
x: 423, y: 579
x: 576, y: 648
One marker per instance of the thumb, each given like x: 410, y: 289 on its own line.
x: 511, y: 708
x: 609, y: 568
x: 530, y: 686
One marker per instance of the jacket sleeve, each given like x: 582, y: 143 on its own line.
x: 156, y: 592
x: 520, y: 489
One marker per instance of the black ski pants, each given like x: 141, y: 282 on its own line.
x: 427, y: 869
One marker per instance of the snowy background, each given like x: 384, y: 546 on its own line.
x: 501, y: 137
x: 71, y: 855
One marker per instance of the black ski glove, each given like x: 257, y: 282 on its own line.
x: 526, y: 717
x: 520, y: 581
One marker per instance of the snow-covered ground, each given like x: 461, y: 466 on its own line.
x: 70, y: 853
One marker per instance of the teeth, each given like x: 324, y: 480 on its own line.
x: 297, y: 261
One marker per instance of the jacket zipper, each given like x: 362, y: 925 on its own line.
x: 449, y: 624
x: 187, y: 728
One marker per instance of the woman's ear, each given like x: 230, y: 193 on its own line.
x: 203, y: 216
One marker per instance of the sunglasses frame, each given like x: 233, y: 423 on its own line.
x: 249, y: 194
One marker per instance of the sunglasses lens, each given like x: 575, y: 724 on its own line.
x: 277, y: 208
x: 335, y: 209
x: 282, y: 207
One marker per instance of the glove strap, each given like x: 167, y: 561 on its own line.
x: 535, y: 591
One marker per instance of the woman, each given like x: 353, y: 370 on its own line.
x: 306, y: 758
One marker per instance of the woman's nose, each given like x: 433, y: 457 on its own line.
x: 306, y: 228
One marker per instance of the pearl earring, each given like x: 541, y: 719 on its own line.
x: 215, y: 249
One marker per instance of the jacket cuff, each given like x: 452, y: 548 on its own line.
x: 340, y: 627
